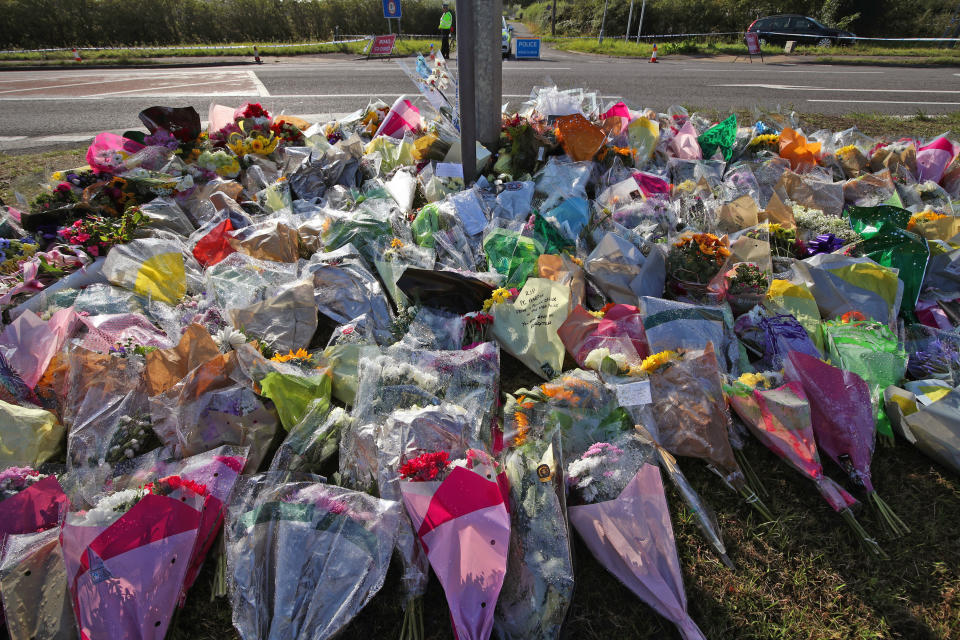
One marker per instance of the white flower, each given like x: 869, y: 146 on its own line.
x: 229, y: 338
x: 112, y: 506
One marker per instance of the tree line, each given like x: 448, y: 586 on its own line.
x: 873, y: 18
x: 68, y: 23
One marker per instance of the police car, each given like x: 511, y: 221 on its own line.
x: 506, y: 38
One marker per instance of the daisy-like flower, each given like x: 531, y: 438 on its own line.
x: 922, y: 217
x: 299, y: 354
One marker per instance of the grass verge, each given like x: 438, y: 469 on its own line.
x: 857, y: 54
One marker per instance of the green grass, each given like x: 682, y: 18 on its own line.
x: 803, y: 577
x: 857, y: 54
x: 404, y: 47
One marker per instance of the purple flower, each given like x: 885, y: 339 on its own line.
x: 162, y: 138
x: 824, y: 243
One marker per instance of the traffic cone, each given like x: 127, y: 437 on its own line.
x: 256, y: 55
x: 653, y: 56
x: 76, y: 55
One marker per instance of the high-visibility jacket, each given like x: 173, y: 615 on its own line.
x: 446, y: 20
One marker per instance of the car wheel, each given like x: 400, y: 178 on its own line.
x: 824, y: 42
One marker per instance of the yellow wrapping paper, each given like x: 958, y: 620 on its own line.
x: 28, y: 437
x: 797, y: 300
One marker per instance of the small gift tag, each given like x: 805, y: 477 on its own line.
x: 634, y: 394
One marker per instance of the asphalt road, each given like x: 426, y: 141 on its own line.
x: 54, y: 108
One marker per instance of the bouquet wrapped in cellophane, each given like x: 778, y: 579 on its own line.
x: 460, y: 513
x: 304, y: 557
x: 619, y: 509
x: 779, y: 415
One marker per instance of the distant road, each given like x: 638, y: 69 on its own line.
x: 55, y: 108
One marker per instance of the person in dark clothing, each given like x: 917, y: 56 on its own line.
x: 446, y: 29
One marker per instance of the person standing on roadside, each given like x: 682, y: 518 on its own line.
x: 446, y: 29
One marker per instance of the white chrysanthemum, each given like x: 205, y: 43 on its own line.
x: 229, y: 338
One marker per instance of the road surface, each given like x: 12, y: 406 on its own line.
x: 45, y: 109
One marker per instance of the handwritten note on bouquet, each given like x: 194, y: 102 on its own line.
x: 634, y: 394
x: 449, y: 170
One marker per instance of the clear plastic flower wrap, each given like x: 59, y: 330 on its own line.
x: 344, y: 289
x: 435, y: 329
x: 33, y: 582
x: 239, y: 281
x: 392, y: 257
x: 538, y: 587
x: 304, y: 557
x: 313, y: 442
x: 673, y: 325
x: 215, y: 404
x: 625, y: 271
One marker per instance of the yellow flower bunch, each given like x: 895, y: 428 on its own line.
x: 396, y: 243
x: 657, y: 360
x: 300, y: 354
x: 498, y: 296
x: 771, y: 139
x: 754, y: 380
x: 850, y: 148
x: 57, y: 176
x: 258, y: 145
x: 922, y: 217
x: 229, y: 170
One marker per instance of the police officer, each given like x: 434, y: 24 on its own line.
x: 446, y: 29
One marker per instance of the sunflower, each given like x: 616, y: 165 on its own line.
x: 657, y: 360
x: 257, y: 146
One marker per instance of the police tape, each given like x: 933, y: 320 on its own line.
x: 207, y: 47
x: 741, y: 33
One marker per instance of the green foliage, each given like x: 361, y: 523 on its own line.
x: 830, y: 15
x: 70, y: 23
x: 882, y: 18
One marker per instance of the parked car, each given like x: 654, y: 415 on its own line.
x: 803, y: 29
x: 506, y: 37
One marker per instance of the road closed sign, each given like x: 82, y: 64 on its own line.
x: 528, y: 49
x: 383, y: 45
x: 753, y: 44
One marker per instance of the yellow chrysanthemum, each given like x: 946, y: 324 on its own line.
x: 753, y: 380
x: 657, y: 360
x: 57, y: 176
x: 500, y: 295
x: 765, y: 139
x: 396, y: 243
x: 850, y: 148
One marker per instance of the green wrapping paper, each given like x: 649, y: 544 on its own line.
x: 872, y: 351
x: 721, y: 136
x: 293, y: 394
x: 887, y: 242
x: 550, y: 237
x: 513, y: 255
x: 426, y: 224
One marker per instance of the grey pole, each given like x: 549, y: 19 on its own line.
x: 626, y: 34
x: 488, y: 70
x: 466, y: 68
x: 643, y: 9
x: 603, y: 21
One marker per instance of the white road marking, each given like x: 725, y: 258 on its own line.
x: 172, y: 86
x: 774, y: 70
x: 75, y: 137
x: 888, y: 102
x: 785, y: 87
x: 259, y: 85
x: 11, y: 138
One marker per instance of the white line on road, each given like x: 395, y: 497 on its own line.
x: 784, y: 87
x: 774, y: 70
x: 885, y: 102
x: 11, y: 138
x: 171, y: 86
x: 259, y: 85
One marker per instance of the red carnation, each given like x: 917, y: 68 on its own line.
x: 425, y: 467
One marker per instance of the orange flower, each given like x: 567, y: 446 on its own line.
x: 301, y: 354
